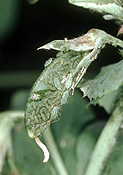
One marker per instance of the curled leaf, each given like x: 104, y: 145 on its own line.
x: 60, y: 77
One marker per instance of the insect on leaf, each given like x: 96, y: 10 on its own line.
x: 60, y: 77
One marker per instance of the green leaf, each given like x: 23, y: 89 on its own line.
x: 9, y: 16
x: 57, y: 82
x: 109, y: 100
x: 19, y: 99
x: 115, y: 162
x: 61, y: 75
x: 28, y: 156
x: 7, y: 122
x: 111, y: 8
x: 109, y: 79
x: 85, y: 145
x: 75, y: 116
x: 106, y: 141
x: 93, y: 39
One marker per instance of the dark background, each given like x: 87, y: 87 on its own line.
x: 35, y: 25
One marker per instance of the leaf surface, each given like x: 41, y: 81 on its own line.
x: 107, y: 7
x: 108, y: 80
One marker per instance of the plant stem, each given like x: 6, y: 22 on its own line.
x: 106, y: 142
x: 10, y: 158
x: 7, y: 120
x: 114, y: 41
x: 55, y: 155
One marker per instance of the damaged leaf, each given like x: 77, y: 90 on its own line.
x: 109, y: 79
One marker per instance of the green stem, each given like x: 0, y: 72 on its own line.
x: 7, y: 120
x: 106, y: 142
x: 100, y: 40
x: 10, y: 157
x: 55, y: 155
x: 11, y: 115
x: 114, y: 41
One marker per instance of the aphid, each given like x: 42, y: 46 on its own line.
x: 48, y: 62
x: 35, y: 118
x: 44, y: 118
x: 57, y: 83
x: 65, y: 97
x: 37, y: 110
x: 59, y: 54
x: 63, y: 80
x: 56, y: 98
x: 54, y: 113
x: 68, y: 82
x: 28, y: 122
x: 108, y: 17
x: 51, y: 90
x: 33, y: 105
x: 77, y: 77
x: 43, y: 110
x: 48, y: 115
x: 37, y: 127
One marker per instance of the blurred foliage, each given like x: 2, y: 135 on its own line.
x: 85, y: 144
x: 32, y: 1
x: 115, y: 159
x: 75, y: 134
x: 9, y: 14
x: 28, y: 157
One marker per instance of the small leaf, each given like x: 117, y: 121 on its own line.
x: 109, y: 79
